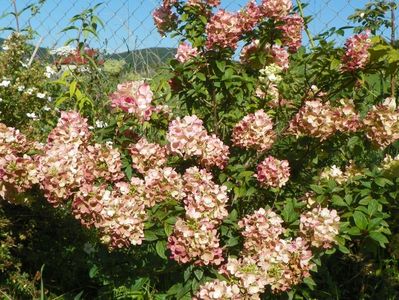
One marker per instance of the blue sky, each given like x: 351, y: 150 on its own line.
x: 129, y: 23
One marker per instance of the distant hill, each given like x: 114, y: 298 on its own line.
x: 143, y: 59
x: 139, y: 60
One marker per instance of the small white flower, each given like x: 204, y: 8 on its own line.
x: 5, y: 83
x: 49, y: 72
x: 1, y: 99
x: 49, y: 99
x: 91, y: 127
x: 24, y: 64
x: 109, y: 143
x: 41, y: 95
x: 5, y: 48
x: 46, y: 108
x: 32, y: 116
x: 101, y: 124
x: 21, y: 88
x: 30, y: 91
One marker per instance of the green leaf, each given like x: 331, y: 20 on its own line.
x: 150, y: 236
x: 221, y: 65
x: 337, y: 200
x: 317, y: 189
x: 161, y: 248
x: 93, y: 271
x: 360, y: 220
x: 201, y: 76
x: 379, y: 237
x: 198, y: 273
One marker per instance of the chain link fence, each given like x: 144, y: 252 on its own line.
x: 129, y: 28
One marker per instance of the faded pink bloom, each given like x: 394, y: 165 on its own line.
x: 165, y: 20
x: 186, y: 136
x: 61, y: 169
x: 348, y: 119
x: 260, y: 230
x: 250, y: 16
x: 292, y: 31
x: 280, y: 56
x: 356, y: 52
x: 223, y: 30
x: 273, y: 172
x: 249, y: 50
x: 214, y: 152
x: 204, y: 200
x: 18, y: 170
x: 135, y: 98
x: 218, y: 289
x: 247, y: 276
x: 147, y: 155
x: 320, y: 226
x: 117, y: 214
x: 314, y: 119
x: 185, y: 52
x: 103, y: 162
x: 276, y: 9
x: 212, y: 3
x: 162, y: 184
x: 382, y: 123
x: 196, y: 242
x: 254, y: 131
x: 285, y: 264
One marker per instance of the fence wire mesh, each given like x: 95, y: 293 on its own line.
x: 129, y: 27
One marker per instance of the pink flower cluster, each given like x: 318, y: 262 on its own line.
x: 276, y: 9
x: 382, y: 123
x: 223, y: 30
x: 321, y: 120
x: 279, y: 55
x: 250, y: 16
x: 61, y: 169
x: 260, y: 229
x: 118, y: 215
x: 196, y: 242
x: 273, y: 172
x: 165, y: 20
x: 254, y: 131
x: 212, y: 3
x: 356, y: 52
x: 185, y: 52
x: 162, y: 184
x: 196, y: 238
x: 204, y: 199
x: 134, y: 97
x: 188, y: 138
x: 266, y: 260
x: 218, y: 289
x: 292, y: 31
x: 320, y: 226
x: 18, y: 170
x: 147, y: 155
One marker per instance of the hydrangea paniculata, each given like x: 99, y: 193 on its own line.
x: 134, y: 97
x: 254, y: 131
x: 273, y: 172
x: 146, y: 155
x: 185, y: 52
x: 356, y: 52
x: 196, y: 242
x: 320, y: 226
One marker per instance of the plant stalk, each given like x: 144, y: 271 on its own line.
x: 310, y: 37
x: 14, y: 3
x: 393, y: 37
